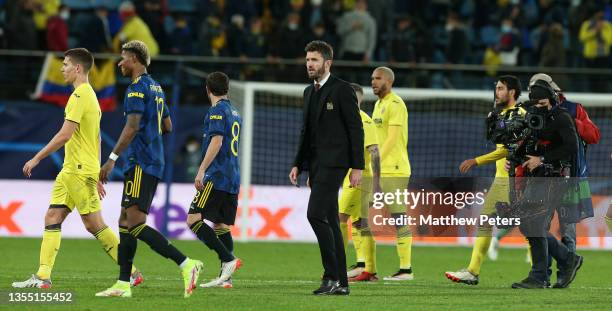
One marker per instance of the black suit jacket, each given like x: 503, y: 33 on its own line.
x: 338, y: 131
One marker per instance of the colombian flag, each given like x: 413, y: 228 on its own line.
x: 51, y: 87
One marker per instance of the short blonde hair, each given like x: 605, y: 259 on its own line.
x: 139, y: 49
x: 388, y: 72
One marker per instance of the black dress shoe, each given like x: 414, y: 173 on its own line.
x: 326, y: 288
x: 341, y: 291
x: 529, y: 283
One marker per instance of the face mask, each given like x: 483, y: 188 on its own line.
x: 65, y: 15
x: 316, y: 2
x: 449, y: 27
x: 506, y: 29
x: 292, y: 26
x: 192, y: 148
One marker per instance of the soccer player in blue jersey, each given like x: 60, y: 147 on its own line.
x: 218, y: 179
x: 147, y: 118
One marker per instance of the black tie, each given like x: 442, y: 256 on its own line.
x: 317, y: 87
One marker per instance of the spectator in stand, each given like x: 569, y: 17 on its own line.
x: 255, y: 46
x: 291, y: 38
x: 456, y: 49
x: 236, y: 37
x: 458, y: 44
x: 403, y: 44
x: 297, y: 6
x: 57, y: 30
x: 357, y: 31
x: 20, y: 26
x: 211, y: 37
x: 246, y: 8
x: 255, y: 41
x: 153, y: 13
x: 551, y: 11
x: 315, y: 14
x: 320, y: 33
x: 596, y: 37
x: 134, y: 29
x: 181, y: 40
x: 382, y: 12
x: 553, y: 51
x: 509, y: 45
x: 43, y: 10
x: 288, y: 43
x: 94, y: 35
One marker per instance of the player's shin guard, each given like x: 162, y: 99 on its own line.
x: 368, y: 248
x: 479, y: 251
x: 126, y: 251
x: 225, y: 236
x: 49, y: 247
x: 404, y: 247
x: 109, y: 242
x: 207, y: 235
x: 157, y: 242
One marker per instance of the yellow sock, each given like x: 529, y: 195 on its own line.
x: 368, y: 247
x: 344, y: 229
x: 609, y: 223
x: 358, y: 244
x: 110, y: 243
x: 479, y: 250
x: 404, y: 247
x: 49, y: 247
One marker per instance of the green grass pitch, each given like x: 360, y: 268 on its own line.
x: 281, y: 276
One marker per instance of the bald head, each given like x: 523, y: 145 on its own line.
x: 382, y: 81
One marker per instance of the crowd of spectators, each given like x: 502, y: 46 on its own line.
x: 561, y: 33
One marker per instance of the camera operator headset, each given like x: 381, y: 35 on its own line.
x: 553, y: 158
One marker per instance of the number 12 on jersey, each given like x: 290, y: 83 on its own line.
x: 159, y: 101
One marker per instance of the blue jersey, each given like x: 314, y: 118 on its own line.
x: 146, y: 97
x: 224, y: 171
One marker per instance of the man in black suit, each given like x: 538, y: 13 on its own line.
x: 331, y: 142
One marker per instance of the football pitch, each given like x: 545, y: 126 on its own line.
x: 281, y: 276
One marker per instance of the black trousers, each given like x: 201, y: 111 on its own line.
x: 544, y: 246
x: 323, y: 218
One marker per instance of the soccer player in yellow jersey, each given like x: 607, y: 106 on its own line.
x: 354, y: 203
x: 76, y: 185
x: 507, y: 91
x: 391, y: 121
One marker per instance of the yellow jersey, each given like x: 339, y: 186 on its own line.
x: 391, y: 111
x: 500, y: 153
x: 369, y: 139
x: 82, y: 153
x: 136, y: 29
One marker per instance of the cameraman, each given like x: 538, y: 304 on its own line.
x: 588, y: 133
x: 556, y: 150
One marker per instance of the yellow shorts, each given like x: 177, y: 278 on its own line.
x: 74, y: 190
x: 356, y: 201
x: 498, y: 192
x: 390, y: 184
